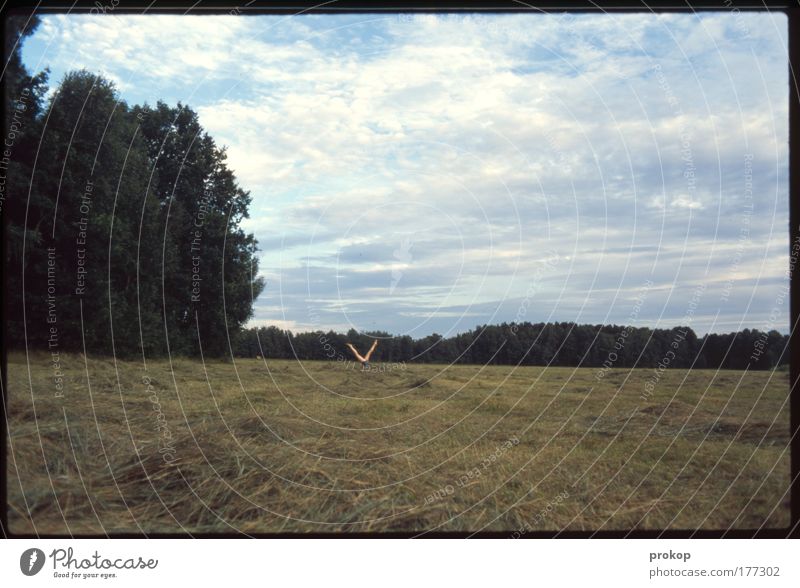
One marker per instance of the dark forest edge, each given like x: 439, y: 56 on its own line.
x: 124, y: 217
x: 541, y: 344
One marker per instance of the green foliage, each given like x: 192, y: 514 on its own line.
x: 124, y: 225
x: 552, y: 344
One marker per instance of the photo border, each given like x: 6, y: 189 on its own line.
x: 791, y: 9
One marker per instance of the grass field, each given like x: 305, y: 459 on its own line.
x: 281, y: 446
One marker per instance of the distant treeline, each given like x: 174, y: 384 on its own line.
x: 555, y: 344
x: 123, y: 222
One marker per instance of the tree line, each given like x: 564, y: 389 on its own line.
x: 123, y: 222
x: 554, y: 344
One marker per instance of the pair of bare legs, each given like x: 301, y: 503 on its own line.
x: 364, y: 359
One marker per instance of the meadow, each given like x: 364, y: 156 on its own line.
x: 262, y: 446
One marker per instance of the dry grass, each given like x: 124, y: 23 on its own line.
x: 313, y: 447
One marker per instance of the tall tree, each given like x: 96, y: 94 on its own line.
x: 90, y: 178
x: 211, y: 264
x: 24, y: 99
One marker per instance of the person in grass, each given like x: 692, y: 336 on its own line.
x: 364, y: 359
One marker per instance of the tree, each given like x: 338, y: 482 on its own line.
x: 211, y: 264
x: 124, y: 226
x: 24, y: 99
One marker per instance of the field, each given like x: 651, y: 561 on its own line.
x: 281, y: 446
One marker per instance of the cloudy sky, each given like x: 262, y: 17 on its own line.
x: 420, y: 174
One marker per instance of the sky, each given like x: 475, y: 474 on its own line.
x: 430, y: 173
